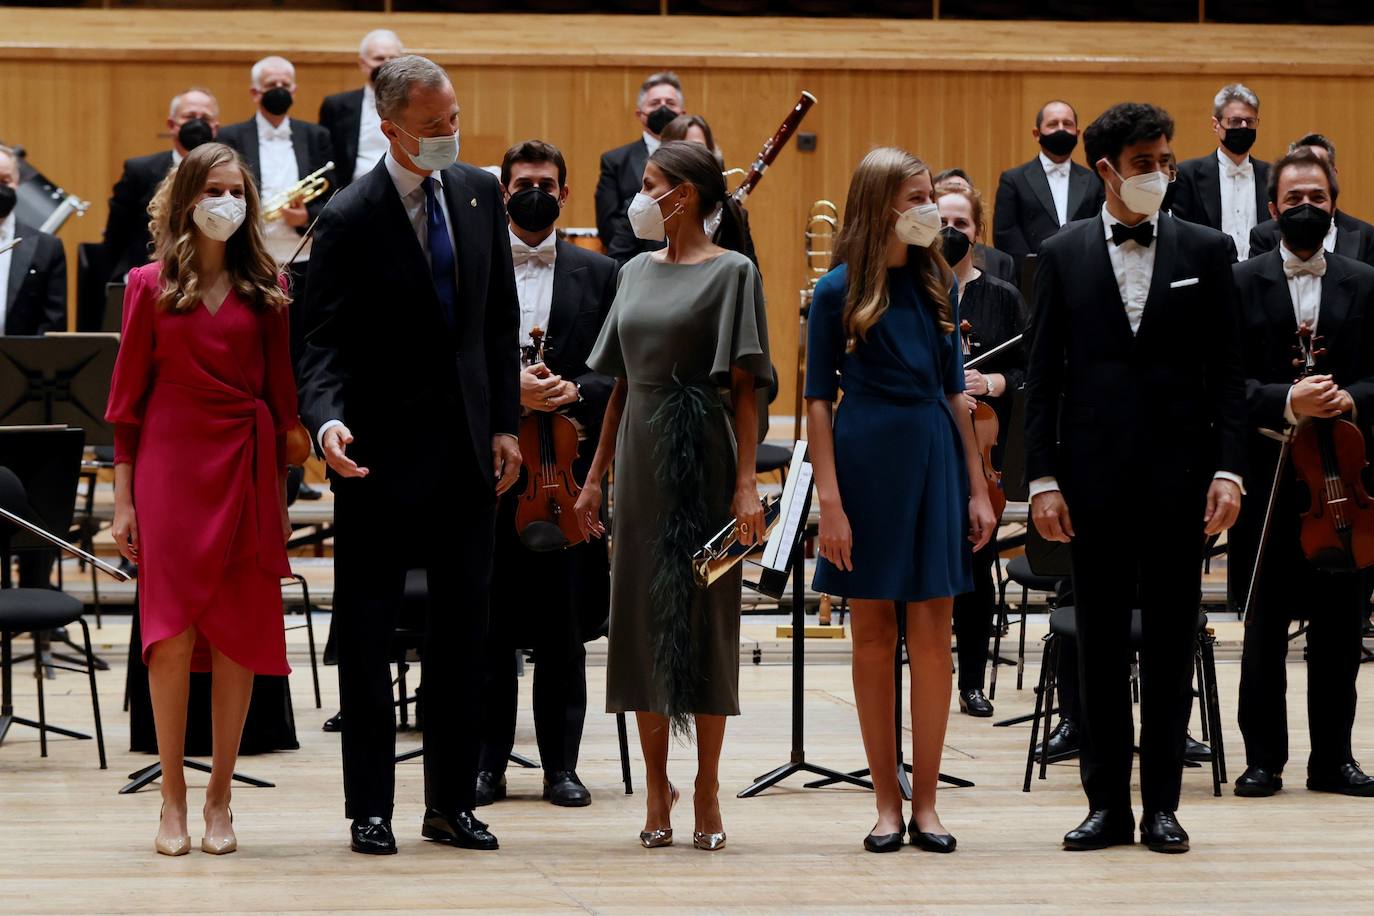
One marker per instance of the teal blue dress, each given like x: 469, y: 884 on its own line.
x: 899, y: 460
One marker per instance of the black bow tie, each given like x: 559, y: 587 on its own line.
x: 1142, y: 233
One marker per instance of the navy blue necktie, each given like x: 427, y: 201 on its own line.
x: 441, y: 262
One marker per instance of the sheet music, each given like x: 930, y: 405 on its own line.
x: 777, y: 553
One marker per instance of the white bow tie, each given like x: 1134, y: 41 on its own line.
x: 1315, y: 267
x: 281, y: 132
x: 523, y: 254
x: 1060, y: 169
x: 1245, y: 170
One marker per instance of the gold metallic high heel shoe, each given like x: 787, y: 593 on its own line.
x: 708, y: 841
x: 219, y: 845
x: 176, y: 846
x: 663, y: 836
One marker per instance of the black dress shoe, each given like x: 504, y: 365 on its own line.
x: 1064, y: 740
x: 1257, y: 782
x: 333, y: 724
x: 491, y: 787
x: 1196, y: 751
x: 459, y: 829
x: 564, y: 789
x: 1100, y: 829
x: 931, y: 842
x: 884, y: 842
x: 1162, y: 832
x: 975, y: 703
x: 1347, y: 779
x: 306, y: 491
x: 372, y: 836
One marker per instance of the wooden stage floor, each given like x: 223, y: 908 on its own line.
x: 70, y: 844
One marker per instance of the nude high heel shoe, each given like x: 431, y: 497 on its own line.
x: 220, y: 845
x: 663, y: 836
x: 176, y: 846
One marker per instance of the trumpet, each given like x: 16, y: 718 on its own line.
x: 724, y: 551
x: 302, y: 192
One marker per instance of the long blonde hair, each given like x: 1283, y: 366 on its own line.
x: 862, y: 244
x: 251, y: 270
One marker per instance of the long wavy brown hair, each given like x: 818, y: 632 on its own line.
x: 252, y: 271
x: 862, y: 244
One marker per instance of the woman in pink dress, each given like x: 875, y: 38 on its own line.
x: 201, y: 399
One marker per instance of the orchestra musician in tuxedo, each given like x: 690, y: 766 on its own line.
x: 351, y: 117
x: 33, y: 273
x: 410, y: 382
x: 1227, y: 188
x: 986, y: 259
x: 660, y: 100
x: 192, y: 119
x: 1134, y: 456
x: 1300, y: 283
x: 1037, y: 199
x: 548, y: 600
x: 1348, y: 236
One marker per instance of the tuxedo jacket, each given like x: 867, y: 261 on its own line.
x: 1025, y: 215
x: 622, y: 175
x: 995, y: 263
x: 342, y: 115
x: 127, y: 239
x: 310, y: 143
x: 36, y: 298
x: 1153, y: 415
x: 380, y: 355
x: 1354, y: 238
x: 1196, y: 195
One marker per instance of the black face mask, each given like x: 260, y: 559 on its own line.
x: 1239, y: 139
x: 533, y: 209
x: 660, y: 118
x: 8, y: 198
x: 194, y: 132
x: 1059, y: 142
x: 372, y: 77
x: 277, y: 100
x: 954, y: 244
x: 1304, y: 227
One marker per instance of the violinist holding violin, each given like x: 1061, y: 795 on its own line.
x: 1298, y: 284
x: 992, y: 312
x: 547, y: 597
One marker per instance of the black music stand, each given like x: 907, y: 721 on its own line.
x: 59, y: 378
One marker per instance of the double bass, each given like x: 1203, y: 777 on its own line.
x: 544, y: 515
x: 985, y: 430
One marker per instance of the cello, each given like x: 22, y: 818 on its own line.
x: 985, y: 430
x: 544, y: 516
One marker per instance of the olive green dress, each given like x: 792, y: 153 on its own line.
x: 674, y: 333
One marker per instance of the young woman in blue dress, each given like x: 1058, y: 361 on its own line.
x: 903, y: 502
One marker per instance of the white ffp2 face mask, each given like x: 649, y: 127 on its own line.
x: 436, y: 153
x: 1143, y: 194
x: 220, y: 217
x: 919, y: 225
x: 647, y: 219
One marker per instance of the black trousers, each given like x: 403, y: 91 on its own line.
x: 973, y: 620
x: 381, y: 531
x: 1119, y: 564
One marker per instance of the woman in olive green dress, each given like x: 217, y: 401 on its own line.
x: 687, y: 343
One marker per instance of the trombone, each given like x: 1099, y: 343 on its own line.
x: 302, y: 192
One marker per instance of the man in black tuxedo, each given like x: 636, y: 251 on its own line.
x: 1301, y: 283
x: 410, y: 381
x: 33, y: 273
x: 989, y: 260
x: 550, y: 600
x: 193, y: 119
x: 1226, y: 189
x: 1348, y: 236
x: 351, y: 117
x: 1145, y: 448
x: 660, y: 100
x: 1035, y: 200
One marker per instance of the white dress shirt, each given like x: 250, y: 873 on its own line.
x: 372, y: 143
x: 1305, y: 290
x: 6, y: 236
x: 652, y: 142
x: 1237, y: 201
x: 534, y: 282
x: 1057, y: 174
x: 277, y: 161
x: 1329, y: 243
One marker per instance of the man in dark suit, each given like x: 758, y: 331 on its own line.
x: 1035, y: 200
x: 410, y: 381
x: 1349, y: 236
x: 33, y: 273
x: 1299, y: 284
x: 193, y: 119
x: 1144, y: 448
x: 1225, y: 189
x: 622, y: 169
x: 551, y: 600
x: 351, y: 117
x: 989, y: 260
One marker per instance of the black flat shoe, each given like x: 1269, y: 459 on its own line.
x: 490, y: 787
x: 975, y: 703
x: 333, y: 724
x: 372, y: 836
x: 564, y: 789
x: 1064, y: 741
x: 1347, y: 779
x: 1257, y: 782
x: 459, y: 829
x: 1196, y: 751
x: 1162, y: 832
x: 1100, y: 829
x: 884, y: 842
x: 931, y: 842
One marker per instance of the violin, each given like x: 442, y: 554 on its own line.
x: 1329, y: 459
x: 544, y: 515
x: 985, y: 430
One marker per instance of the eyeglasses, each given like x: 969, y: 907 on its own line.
x: 1234, y: 123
